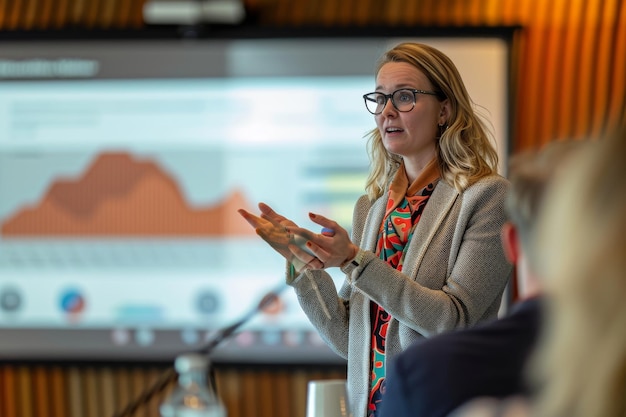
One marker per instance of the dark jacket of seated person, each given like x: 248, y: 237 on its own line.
x: 436, y: 376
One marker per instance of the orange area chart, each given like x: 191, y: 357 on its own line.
x: 121, y: 196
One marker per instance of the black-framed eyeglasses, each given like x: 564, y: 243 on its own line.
x: 403, y: 99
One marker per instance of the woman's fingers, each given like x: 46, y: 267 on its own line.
x: 249, y: 217
x: 325, y: 222
x: 304, y: 259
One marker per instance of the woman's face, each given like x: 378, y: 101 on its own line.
x: 411, y: 134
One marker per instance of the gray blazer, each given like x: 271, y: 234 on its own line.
x: 454, y: 275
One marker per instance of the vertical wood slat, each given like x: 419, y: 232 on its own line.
x: 4, y: 5
x: 108, y: 13
x: 568, y: 77
x: 8, y: 397
x: 44, y: 14
x: 15, y: 15
x: 618, y: 81
x: 107, y: 389
x: 552, y: 68
x: 93, y: 393
x: 92, y: 11
x: 529, y: 80
x: 25, y: 392
x: 75, y: 392
x: 586, y: 62
x: 29, y: 13
x: 58, y: 392
x: 601, y: 90
x: 59, y: 14
x: 42, y: 404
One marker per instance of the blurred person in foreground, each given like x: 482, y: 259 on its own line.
x: 435, y: 376
x: 579, y: 366
x: 424, y: 256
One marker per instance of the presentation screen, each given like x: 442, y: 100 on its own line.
x: 123, y: 164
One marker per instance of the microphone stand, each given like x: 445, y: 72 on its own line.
x: 170, y: 375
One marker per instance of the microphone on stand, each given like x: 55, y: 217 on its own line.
x: 222, y: 334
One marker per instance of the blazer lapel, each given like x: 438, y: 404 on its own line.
x: 372, y: 224
x: 438, y: 206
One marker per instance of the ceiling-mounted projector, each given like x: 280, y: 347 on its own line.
x: 191, y: 12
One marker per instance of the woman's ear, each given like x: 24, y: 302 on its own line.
x: 510, y: 242
x: 444, y: 113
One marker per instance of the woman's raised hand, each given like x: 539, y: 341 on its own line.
x: 273, y: 228
x: 300, y: 246
x: 332, y: 247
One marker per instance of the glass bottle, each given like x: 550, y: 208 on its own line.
x: 193, y: 397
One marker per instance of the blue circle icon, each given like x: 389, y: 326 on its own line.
x: 72, y: 301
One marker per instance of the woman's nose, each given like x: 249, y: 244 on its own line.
x: 389, y: 109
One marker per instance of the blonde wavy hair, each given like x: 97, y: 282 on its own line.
x: 465, y: 149
x: 580, y: 362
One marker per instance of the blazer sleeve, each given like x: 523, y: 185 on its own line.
x: 329, y: 309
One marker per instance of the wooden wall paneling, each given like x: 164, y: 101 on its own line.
x: 137, y: 14
x: 533, y: 76
x: 301, y: 13
x: 122, y: 386
x: 41, y: 383
x: 411, y: 13
x: 272, y: 14
x: 601, y: 86
x: 250, y: 398
x: 59, y: 393
x: 423, y: 12
x: 43, y: 15
x: 512, y: 12
x: 93, y: 393
x: 153, y: 374
x: 8, y: 397
x: 394, y: 12
x: 107, y: 17
x: 265, y: 400
x: 439, y: 14
x: 229, y: 390
x: 60, y: 13
x: 568, y: 78
x: 618, y: 79
x: 123, y: 15
x: 137, y: 386
x: 77, y: 12
x: 323, y: 12
x: 92, y: 13
x: 29, y: 13
x: 493, y: 12
x: 281, y: 394
x: 458, y: 12
x: 4, y: 6
x: 475, y: 13
x: 107, y: 391
x: 583, y: 115
x: 300, y: 379
x: 25, y: 391
x: 348, y: 11
x: 74, y: 388
x: 514, y: 87
x: 549, y: 93
x: 14, y: 15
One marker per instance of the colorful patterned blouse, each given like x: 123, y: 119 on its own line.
x: 404, y: 208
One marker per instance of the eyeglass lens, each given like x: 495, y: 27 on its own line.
x: 402, y: 100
